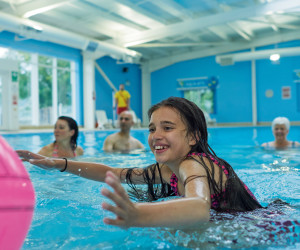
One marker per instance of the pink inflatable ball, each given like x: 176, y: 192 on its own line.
x: 16, y: 199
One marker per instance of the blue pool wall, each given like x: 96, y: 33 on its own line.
x: 233, y: 94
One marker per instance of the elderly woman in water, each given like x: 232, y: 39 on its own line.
x: 280, y: 129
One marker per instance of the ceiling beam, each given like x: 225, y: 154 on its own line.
x: 93, y: 28
x: 163, y: 45
x: 238, y: 30
x: 156, y: 64
x: 219, y: 32
x: 279, y: 25
x: 173, y: 8
x: 129, y: 11
x: 272, y: 23
x: 32, y: 8
x: 214, y: 5
x: 207, y: 21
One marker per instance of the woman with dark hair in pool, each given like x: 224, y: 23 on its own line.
x: 186, y: 167
x: 65, y: 144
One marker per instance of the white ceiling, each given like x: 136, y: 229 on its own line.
x: 162, y: 31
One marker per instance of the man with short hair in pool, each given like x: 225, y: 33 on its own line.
x: 122, y: 140
x: 280, y: 129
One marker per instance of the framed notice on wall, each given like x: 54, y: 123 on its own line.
x: 286, y: 92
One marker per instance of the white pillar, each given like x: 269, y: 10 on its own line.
x: 146, y: 92
x: 55, y: 112
x: 254, y: 95
x: 88, y: 91
x: 73, y: 87
x: 35, y: 99
x: 10, y: 94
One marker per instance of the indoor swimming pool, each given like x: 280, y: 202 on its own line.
x: 68, y: 212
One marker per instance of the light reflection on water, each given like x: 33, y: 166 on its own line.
x: 68, y: 212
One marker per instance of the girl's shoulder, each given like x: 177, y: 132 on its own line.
x: 193, y: 161
x: 207, y: 161
x: 206, y: 157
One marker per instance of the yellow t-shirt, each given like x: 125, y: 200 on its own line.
x: 122, y: 96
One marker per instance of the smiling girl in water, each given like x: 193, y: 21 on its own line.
x: 186, y: 167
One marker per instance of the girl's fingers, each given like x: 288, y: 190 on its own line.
x: 123, y: 208
x: 116, y: 210
x: 120, y: 201
x: 119, y: 221
x: 114, y: 222
x: 113, y: 181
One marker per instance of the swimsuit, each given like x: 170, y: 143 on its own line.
x: 271, y: 147
x: 215, y: 198
x: 55, y: 151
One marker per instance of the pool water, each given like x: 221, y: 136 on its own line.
x: 68, y: 212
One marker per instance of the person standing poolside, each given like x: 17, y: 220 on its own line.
x: 186, y: 167
x: 280, y: 129
x: 65, y: 144
x: 122, y: 99
x: 122, y: 140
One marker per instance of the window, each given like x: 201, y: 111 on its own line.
x: 25, y: 109
x: 64, y: 87
x: 46, y: 87
x: 45, y: 90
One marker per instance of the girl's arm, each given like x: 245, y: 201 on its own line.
x: 188, y: 212
x: 89, y: 170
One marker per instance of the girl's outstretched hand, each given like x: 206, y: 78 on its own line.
x: 36, y: 159
x: 125, y: 210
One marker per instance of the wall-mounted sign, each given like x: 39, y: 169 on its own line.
x: 297, y: 75
x: 197, y: 82
x: 286, y: 92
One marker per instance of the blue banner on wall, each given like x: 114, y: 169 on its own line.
x: 297, y: 75
x: 197, y: 82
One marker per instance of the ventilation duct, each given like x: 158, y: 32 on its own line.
x: 230, y: 59
x: 42, y: 32
x: 226, y: 60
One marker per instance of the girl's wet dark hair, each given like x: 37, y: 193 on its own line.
x: 73, y: 126
x: 236, y: 197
